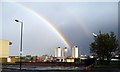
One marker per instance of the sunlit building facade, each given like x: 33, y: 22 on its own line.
x: 64, y: 52
x: 75, y: 52
x: 4, y: 48
x: 58, y: 52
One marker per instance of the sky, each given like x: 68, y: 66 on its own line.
x: 60, y: 0
x: 75, y: 21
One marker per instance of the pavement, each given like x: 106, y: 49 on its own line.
x: 91, y: 70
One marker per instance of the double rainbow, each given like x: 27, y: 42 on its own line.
x: 46, y: 21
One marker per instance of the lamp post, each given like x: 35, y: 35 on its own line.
x: 21, y: 34
x: 94, y: 34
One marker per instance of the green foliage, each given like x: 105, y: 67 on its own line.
x: 104, y: 45
x: 77, y: 60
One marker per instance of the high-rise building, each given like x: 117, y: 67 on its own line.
x: 58, y: 52
x: 75, y: 52
x: 64, y: 52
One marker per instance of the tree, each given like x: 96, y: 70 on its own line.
x: 104, y: 45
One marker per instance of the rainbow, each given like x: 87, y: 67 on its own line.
x: 46, y: 21
x: 81, y: 23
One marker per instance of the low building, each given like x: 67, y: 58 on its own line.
x: 11, y: 59
x: 28, y: 58
x: 3, y: 60
x: 34, y: 59
x: 70, y: 60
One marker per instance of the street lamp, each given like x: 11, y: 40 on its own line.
x: 20, y: 41
x: 94, y: 34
